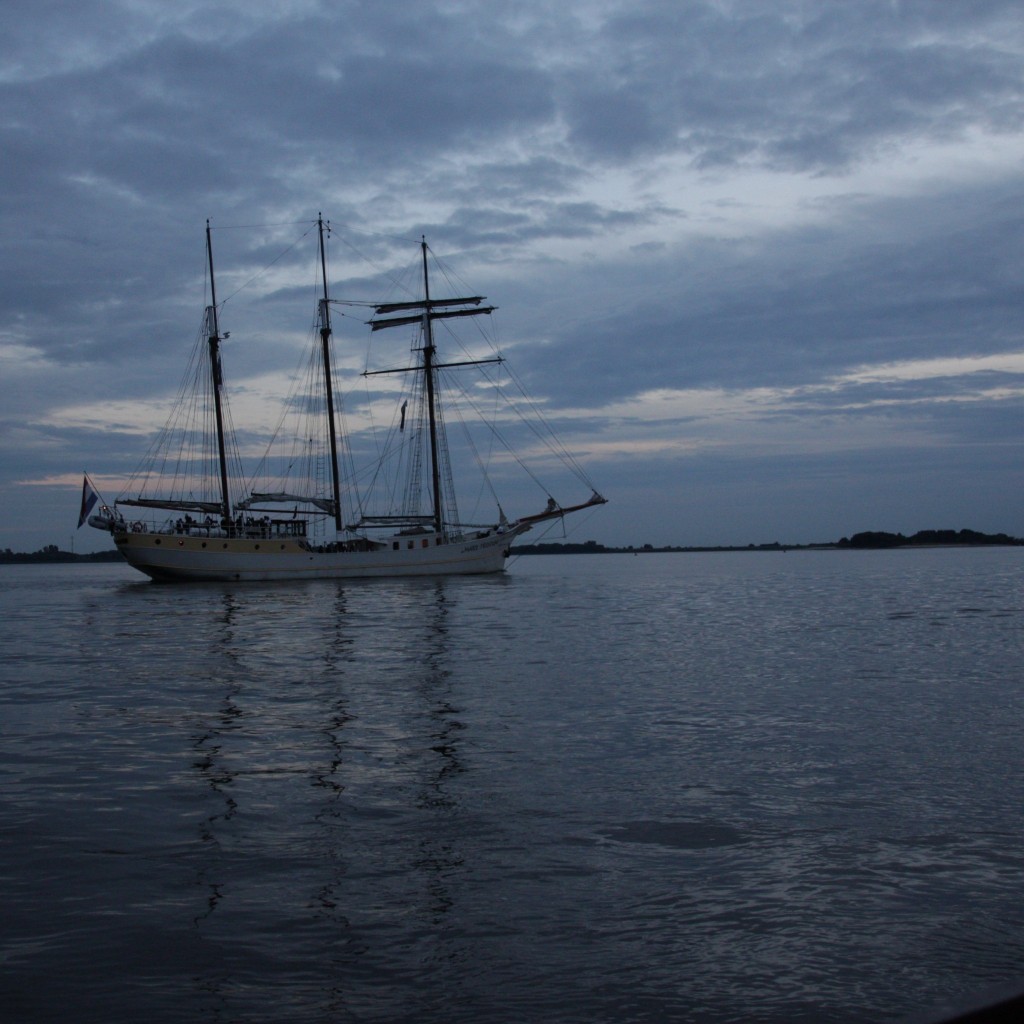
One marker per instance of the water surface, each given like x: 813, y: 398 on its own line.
x: 702, y: 787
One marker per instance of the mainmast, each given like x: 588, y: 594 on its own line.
x: 325, y: 339
x: 213, y: 332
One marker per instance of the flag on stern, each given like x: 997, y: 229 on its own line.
x: 89, y: 499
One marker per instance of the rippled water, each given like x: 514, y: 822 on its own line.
x: 723, y: 787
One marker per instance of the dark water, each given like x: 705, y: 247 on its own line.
x: 750, y: 787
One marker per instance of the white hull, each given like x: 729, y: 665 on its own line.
x: 172, y: 556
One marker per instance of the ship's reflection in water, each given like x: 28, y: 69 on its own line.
x: 327, y: 757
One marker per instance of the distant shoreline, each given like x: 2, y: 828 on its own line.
x: 872, y: 540
x: 53, y: 554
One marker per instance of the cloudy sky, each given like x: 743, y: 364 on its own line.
x: 763, y: 261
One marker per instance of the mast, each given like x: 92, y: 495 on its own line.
x: 215, y: 371
x: 325, y: 337
x: 428, y: 373
x: 423, y: 312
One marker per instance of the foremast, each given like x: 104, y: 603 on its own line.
x: 428, y: 374
x: 426, y: 312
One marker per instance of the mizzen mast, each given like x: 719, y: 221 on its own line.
x: 213, y: 336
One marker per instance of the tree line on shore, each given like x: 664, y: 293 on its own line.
x: 51, y: 553
x: 869, y: 539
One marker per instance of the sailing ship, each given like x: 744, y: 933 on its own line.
x: 207, y: 526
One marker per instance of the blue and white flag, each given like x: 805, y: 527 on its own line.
x: 89, y: 499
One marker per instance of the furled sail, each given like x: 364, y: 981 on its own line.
x: 325, y: 504
x: 397, y: 307
x: 398, y: 321
x: 176, y: 506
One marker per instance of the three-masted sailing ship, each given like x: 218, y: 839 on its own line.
x: 212, y: 529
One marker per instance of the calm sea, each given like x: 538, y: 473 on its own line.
x: 724, y: 787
